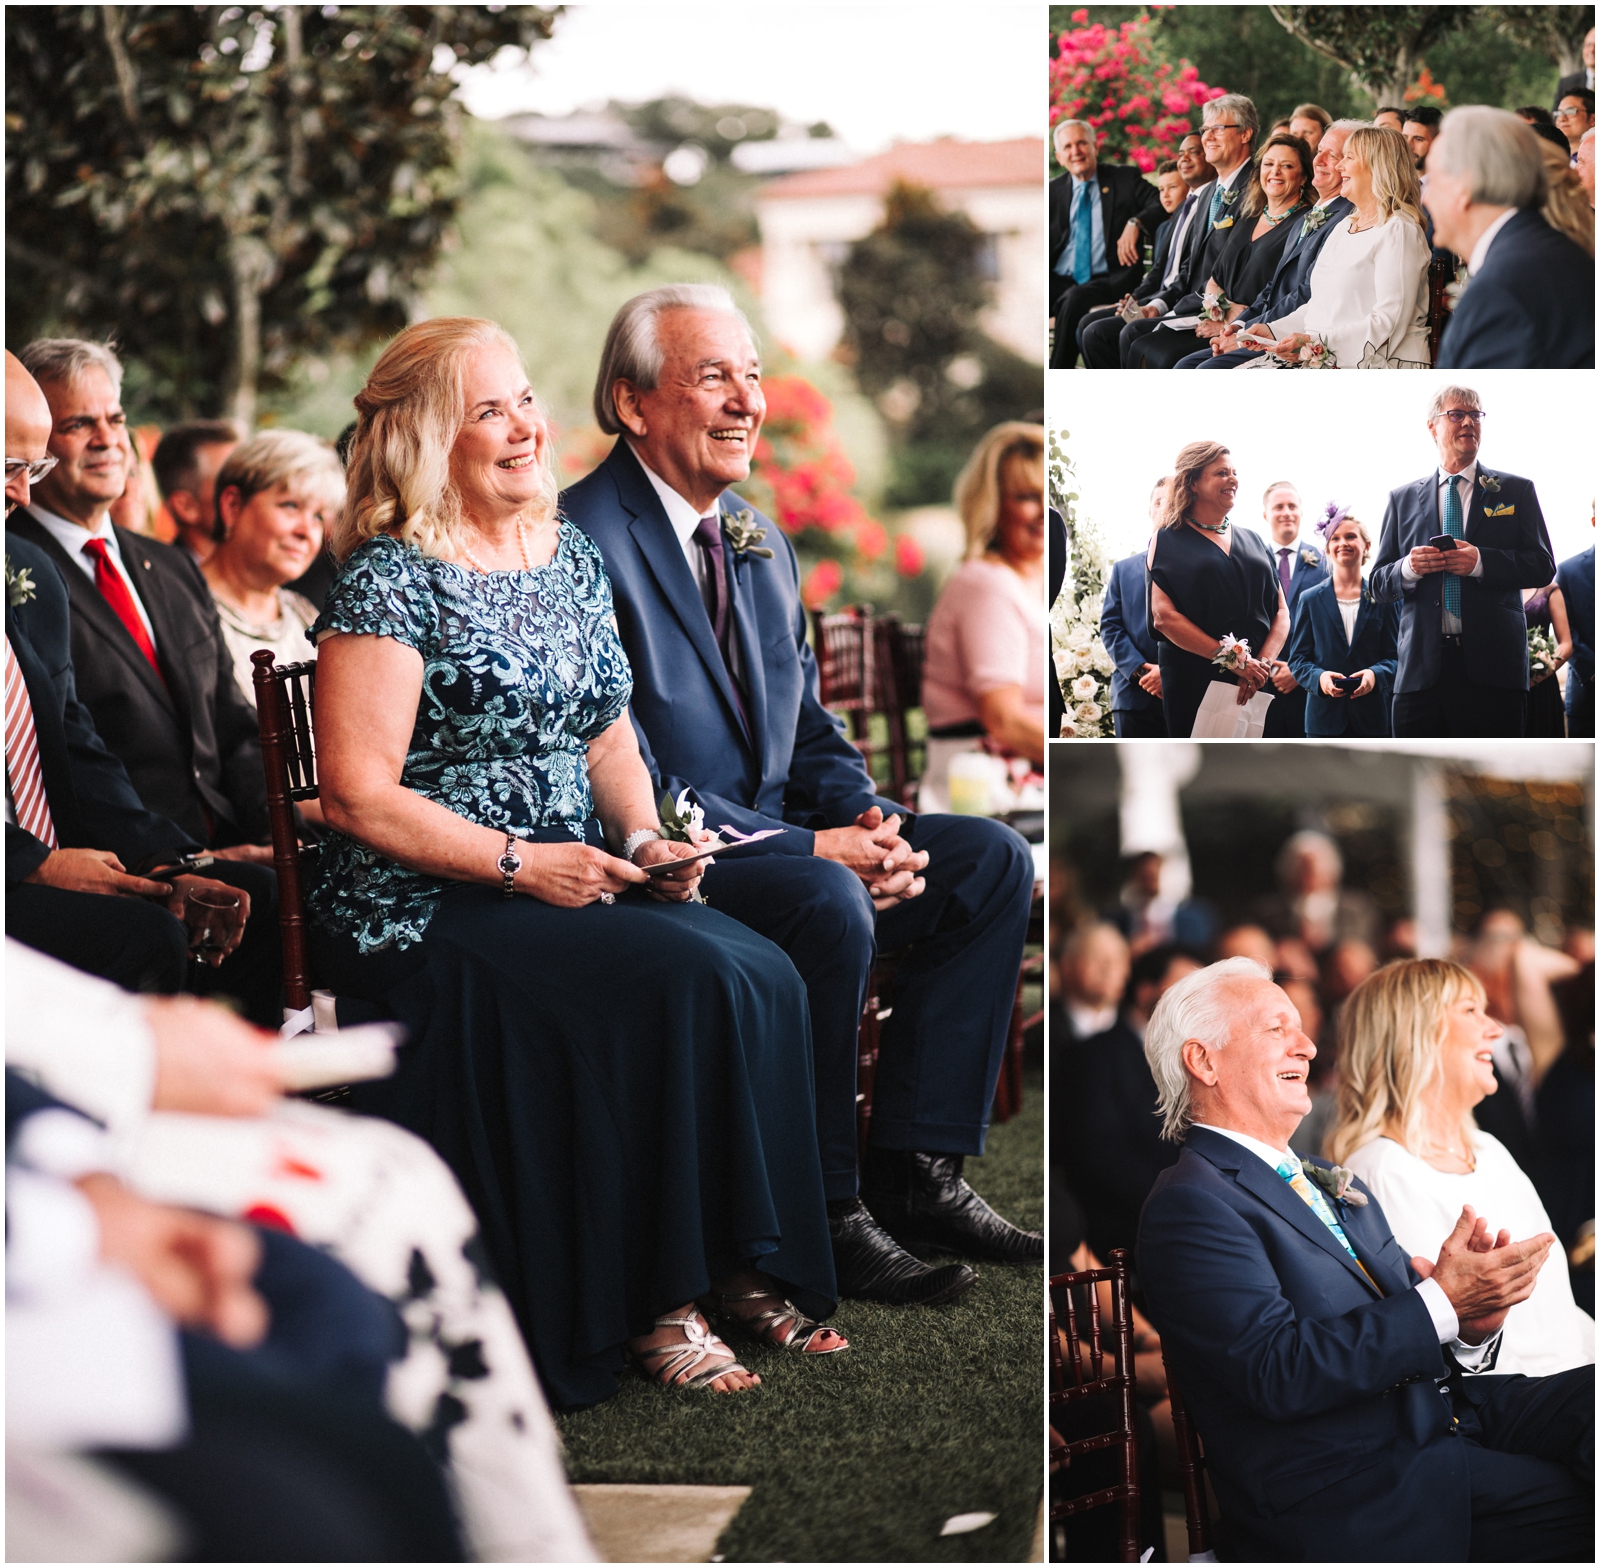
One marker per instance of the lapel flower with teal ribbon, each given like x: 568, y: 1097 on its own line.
x: 1314, y: 221
x: 1337, y: 1183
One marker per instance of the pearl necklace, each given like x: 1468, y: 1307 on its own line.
x: 522, y: 545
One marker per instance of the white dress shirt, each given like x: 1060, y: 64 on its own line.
x: 72, y: 537
x: 1445, y: 1322
x: 1480, y: 251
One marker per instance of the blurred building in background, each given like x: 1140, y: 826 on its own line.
x: 809, y: 221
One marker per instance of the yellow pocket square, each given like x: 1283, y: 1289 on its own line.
x: 1226, y: 223
x: 1499, y: 511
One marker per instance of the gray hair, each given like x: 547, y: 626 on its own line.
x: 1347, y: 126
x: 65, y: 359
x: 1241, y: 108
x: 275, y: 457
x: 633, y: 345
x: 1463, y: 397
x: 1082, y: 125
x: 1308, y: 839
x: 1495, y: 153
x: 1193, y: 1009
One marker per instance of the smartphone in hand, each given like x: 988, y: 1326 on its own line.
x: 1441, y: 542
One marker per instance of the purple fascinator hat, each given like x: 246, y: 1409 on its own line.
x: 1332, y: 515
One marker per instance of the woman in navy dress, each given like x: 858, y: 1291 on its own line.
x: 1207, y: 580
x: 1342, y: 646
x: 619, y: 1076
x: 1546, y: 717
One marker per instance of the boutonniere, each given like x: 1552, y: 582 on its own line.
x: 743, y: 535
x: 1314, y: 221
x: 20, y: 586
x: 1310, y: 557
x: 1490, y: 484
x: 1230, y: 196
x: 1336, y: 1182
x: 1499, y: 511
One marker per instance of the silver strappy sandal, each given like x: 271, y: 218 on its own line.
x: 795, y: 1331
x: 699, y: 1346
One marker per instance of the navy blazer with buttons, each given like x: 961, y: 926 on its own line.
x: 1516, y: 554
x: 1126, y: 635
x: 93, y: 804
x: 1529, y: 306
x: 796, y: 770
x: 1317, y: 643
x: 1310, y: 1385
x: 1575, y: 579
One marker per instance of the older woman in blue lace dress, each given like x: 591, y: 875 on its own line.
x: 619, y: 1076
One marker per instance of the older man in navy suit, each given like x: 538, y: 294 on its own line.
x: 1336, y: 1383
x: 1290, y: 287
x: 725, y: 704
x: 1300, y: 566
x: 1575, y: 579
x: 1463, y: 636
x: 1136, y: 685
x: 1529, y: 301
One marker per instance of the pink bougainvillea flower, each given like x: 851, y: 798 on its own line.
x: 909, y: 559
x: 821, y: 583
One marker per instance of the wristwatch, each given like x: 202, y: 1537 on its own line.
x: 509, y: 864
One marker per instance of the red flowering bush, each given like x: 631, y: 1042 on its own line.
x: 1109, y: 77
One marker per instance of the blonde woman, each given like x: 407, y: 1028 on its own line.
x: 276, y: 495
x: 1414, y: 1059
x: 1566, y: 203
x: 1209, y: 580
x: 1369, y: 288
x: 620, y: 1078
x: 982, y: 679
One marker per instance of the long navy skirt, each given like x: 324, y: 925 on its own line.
x: 624, y: 1093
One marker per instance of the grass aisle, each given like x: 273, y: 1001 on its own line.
x: 933, y: 1412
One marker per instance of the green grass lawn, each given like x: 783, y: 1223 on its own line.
x: 934, y: 1411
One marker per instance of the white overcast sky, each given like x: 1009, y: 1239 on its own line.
x: 1345, y: 437
x: 876, y: 73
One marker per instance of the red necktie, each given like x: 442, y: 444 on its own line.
x: 120, y: 597
x: 23, y: 772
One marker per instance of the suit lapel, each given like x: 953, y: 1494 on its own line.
x: 1364, y: 612
x: 88, y: 602
x: 1256, y: 1178
x: 136, y: 557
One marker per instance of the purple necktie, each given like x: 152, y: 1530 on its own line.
x: 708, y: 535
x: 1283, y: 570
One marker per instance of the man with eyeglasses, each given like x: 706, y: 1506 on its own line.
x: 1574, y: 115
x: 1529, y: 301
x: 1463, y: 637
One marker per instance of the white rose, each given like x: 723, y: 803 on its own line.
x: 1079, y: 637
x: 1102, y: 660
x: 1087, y: 713
x: 1069, y: 730
x: 1092, y: 608
x: 1075, y: 663
x: 1085, y: 687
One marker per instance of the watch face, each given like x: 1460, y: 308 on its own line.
x: 510, y: 863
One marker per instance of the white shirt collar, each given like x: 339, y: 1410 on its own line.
x: 680, y: 513
x: 1087, y: 179
x: 74, y: 536
x: 1469, y: 473
x: 1263, y: 1151
x: 1480, y: 251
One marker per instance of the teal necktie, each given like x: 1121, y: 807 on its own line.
x: 1216, y: 203
x: 1082, y: 235
x: 1294, y: 1173
x: 1452, y: 526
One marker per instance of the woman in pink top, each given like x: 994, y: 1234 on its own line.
x: 983, y: 681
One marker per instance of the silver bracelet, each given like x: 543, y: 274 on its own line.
x: 631, y: 844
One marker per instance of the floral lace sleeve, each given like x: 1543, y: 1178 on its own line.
x: 382, y: 591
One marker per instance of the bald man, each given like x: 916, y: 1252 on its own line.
x: 27, y: 434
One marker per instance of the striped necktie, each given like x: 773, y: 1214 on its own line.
x: 1294, y: 1173
x: 24, y: 776
x: 1452, y: 526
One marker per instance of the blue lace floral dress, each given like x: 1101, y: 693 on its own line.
x: 624, y: 1091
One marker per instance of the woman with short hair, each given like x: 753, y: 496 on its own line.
x: 276, y: 494
x: 1414, y: 1058
x: 620, y: 1077
x: 986, y: 637
x: 1369, y: 287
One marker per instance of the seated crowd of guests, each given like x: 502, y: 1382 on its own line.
x: 1421, y: 625
x: 1438, y: 1082
x: 1331, y: 243
x: 564, y: 1175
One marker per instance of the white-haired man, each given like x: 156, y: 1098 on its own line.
x: 1584, y: 163
x: 1529, y: 303
x: 1334, y: 1381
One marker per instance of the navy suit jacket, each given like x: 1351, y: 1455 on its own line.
x: 1316, y: 643
x: 1126, y: 635
x: 1290, y: 287
x: 1304, y: 574
x: 1516, y: 555
x: 1530, y: 305
x: 796, y: 770
x: 1311, y: 1387
x: 93, y: 803
x: 1150, y: 283
x: 1575, y: 579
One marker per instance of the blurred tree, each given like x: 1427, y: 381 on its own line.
x: 1553, y: 30
x: 912, y: 292
x: 225, y: 189
x: 1380, y: 46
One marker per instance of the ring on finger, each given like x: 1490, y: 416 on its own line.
x: 608, y: 898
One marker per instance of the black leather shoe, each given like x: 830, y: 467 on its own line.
x: 923, y: 1201
x: 871, y: 1267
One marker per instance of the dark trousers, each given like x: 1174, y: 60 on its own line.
x: 1229, y: 361
x: 1140, y: 723
x: 1162, y: 350
x: 128, y: 941
x: 1580, y: 717
x: 1458, y: 708
x: 1286, y: 716
x: 251, y: 975
x: 1107, y: 340
x: 961, y: 945
x: 1530, y: 1451
x: 1076, y: 302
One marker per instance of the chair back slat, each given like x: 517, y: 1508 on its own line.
x: 1116, y: 1380
x: 1192, y: 1467
x: 283, y: 720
